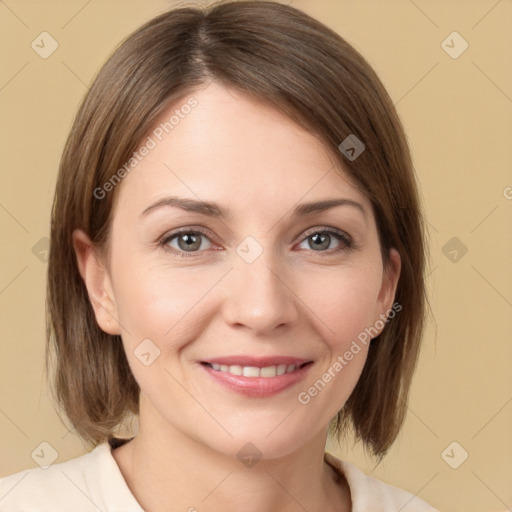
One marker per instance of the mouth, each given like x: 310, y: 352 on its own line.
x: 257, y: 377
x: 250, y: 371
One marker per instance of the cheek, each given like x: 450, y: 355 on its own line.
x: 161, y: 305
x: 343, y: 300
x: 158, y: 302
x: 344, y: 303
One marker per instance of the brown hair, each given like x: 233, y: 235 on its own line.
x: 277, y: 54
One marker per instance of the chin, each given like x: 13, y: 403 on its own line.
x: 260, y: 440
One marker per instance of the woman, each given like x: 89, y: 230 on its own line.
x: 237, y: 260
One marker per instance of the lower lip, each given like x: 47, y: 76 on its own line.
x: 258, y: 387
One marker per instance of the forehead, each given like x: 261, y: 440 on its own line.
x: 237, y: 151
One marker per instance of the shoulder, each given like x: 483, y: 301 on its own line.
x: 52, y: 488
x: 78, y: 484
x: 44, y: 488
x: 369, y: 493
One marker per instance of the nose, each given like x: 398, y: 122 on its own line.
x: 259, y: 296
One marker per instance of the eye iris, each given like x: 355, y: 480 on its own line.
x: 189, y: 241
x: 321, y: 241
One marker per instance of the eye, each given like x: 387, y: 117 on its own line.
x: 189, y: 242
x: 186, y: 241
x: 323, y: 240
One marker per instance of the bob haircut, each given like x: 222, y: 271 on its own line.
x: 276, y: 54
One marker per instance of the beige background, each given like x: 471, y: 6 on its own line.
x: 458, y: 116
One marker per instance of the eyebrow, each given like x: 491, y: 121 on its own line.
x: 214, y: 210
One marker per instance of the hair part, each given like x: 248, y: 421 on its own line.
x: 276, y: 54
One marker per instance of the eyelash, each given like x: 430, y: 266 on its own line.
x: 347, y: 242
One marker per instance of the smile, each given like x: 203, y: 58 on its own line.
x: 257, y: 377
x: 254, y: 371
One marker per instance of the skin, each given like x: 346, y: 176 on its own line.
x: 295, y: 299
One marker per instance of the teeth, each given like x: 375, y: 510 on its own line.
x: 269, y: 371
x: 236, y: 369
x: 253, y: 371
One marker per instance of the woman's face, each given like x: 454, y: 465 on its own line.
x: 266, y: 275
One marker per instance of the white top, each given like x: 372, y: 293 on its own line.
x: 94, y: 482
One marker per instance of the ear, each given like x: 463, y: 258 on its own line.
x: 97, y: 281
x: 390, y: 279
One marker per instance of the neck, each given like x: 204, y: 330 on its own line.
x: 165, y: 469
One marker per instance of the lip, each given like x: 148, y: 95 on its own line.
x: 257, y: 387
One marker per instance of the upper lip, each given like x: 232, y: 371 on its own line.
x: 258, y: 362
